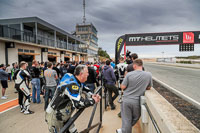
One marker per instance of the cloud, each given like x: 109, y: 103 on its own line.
x: 113, y: 18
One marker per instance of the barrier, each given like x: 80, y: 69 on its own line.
x: 77, y: 114
x: 161, y: 116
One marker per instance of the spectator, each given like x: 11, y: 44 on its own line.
x: 42, y: 69
x: 134, y: 85
x: 13, y: 71
x: 56, y: 69
x: 35, y: 73
x: 58, y: 66
x: 101, y: 66
x: 101, y: 70
x: 17, y: 65
x: 61, y: 69
x: 72, y: 67
x: 42, y: 79
x: 45, y: 66
x: 64, y: 69
x: 50, y: 77
x: 8, y: 70
x: 130, y: 68
x: 76, y: 64
x: 112, y: 64
x: 91, y: 79
x: 97, y: 69
x: 4, y: 80
x: 134, y: 56
x: 110, y: 80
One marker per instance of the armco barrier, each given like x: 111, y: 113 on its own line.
x: 162, y: 116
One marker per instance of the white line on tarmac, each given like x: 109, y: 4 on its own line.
x: 187, y: 98
x: 8, y: 109
x: 9, y: 101
x: 177, y: 66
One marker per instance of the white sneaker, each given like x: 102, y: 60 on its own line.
x: 4, y: 97
x: 119, y: 130
x: 27, y: 112
x: 22, y: 110
x: 120, y: 100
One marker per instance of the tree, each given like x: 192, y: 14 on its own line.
x: 103, y: 53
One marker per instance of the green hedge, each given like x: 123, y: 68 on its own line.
x: 184, y: 62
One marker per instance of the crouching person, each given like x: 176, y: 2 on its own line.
x: 68, y: 97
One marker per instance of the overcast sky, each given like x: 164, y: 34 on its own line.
x: 114, y: 18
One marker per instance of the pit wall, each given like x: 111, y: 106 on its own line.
x: 168, y: 119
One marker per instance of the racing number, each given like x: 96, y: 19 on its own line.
x: 74, y: 87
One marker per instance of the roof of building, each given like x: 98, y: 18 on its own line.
x: 86, y: 24
x: 37, y: 20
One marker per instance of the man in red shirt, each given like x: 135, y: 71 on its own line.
x: 97, y: 68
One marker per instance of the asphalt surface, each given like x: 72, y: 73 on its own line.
x: 13, y: 121
x: 185, y: 80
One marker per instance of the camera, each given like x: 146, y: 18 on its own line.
x: 128, y: 54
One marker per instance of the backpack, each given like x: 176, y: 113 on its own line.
x: 31, y: 71
x: 103, y: 77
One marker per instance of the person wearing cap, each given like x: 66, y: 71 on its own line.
x: 4, y: 80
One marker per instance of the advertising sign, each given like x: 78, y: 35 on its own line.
x: 185, y: 40
x: 162, y: 38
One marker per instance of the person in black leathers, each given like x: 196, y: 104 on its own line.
x: 21, y: 77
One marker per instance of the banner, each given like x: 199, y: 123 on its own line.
x: 118, y: 47
x: 162, y: 38
x: 165, y: 38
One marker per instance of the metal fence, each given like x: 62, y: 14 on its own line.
x: 90, y: 126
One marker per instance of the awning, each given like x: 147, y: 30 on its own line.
x: 67, y: 57
x: 53, y: 55
x: 22, y: 53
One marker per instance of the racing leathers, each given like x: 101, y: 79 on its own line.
x: 66, y: 98
x: 21, y: 85
x: 121, y: 69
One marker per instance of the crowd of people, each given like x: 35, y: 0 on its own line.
x: 62, y: 85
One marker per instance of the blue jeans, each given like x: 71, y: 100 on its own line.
x: 91, y: 86
x: 49, y: 92
x: 57, y: 81
x: 35, y: 90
